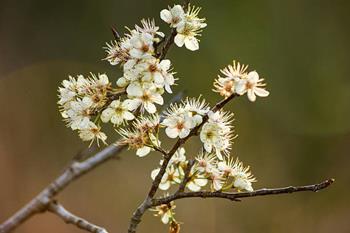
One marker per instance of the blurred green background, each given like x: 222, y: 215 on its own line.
x: 300, y: 134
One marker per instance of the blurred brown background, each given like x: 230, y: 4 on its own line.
x: 298, y: 135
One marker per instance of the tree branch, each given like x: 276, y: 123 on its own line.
x: 235, y: 196
x: 70, y: 218
x: 168, y: 42
x: 41, y: 202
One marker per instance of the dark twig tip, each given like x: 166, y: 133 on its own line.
x: 115, y: 33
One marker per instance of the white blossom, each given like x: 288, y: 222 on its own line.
x: 141, y: 45
x: 197, y: 181
x: 171, y: 176
x: 216, y: 179
x: 118, y: 51
x: 91, y: 133
x: 165, y: 211
x: 178, y: 126
x: 206, y: 162
x: 227, y: 166
x: 79, y: 113
x: 181, y: 119
x: 149, y: 26
x: 243, y: 178
x: 251, y: 84
x: 196, y: 109
x: 226, y: 84
x: 179, y: 157
x: 174, y: 16
x: 216, y: 134
x: 117, y: 112
x: 146, y: 98
x: 68, y: 92
x: 189, y: 29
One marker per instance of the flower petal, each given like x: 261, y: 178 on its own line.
x: 106, y: 115
x: 132, y: 104
x: 166, y: 16
x: 165, y: 64
x: 150, y: 107
x: 158, y: 99
x: 184, y: 133
x: 165, y: 218
x: 179, y: 40
x: 142, y: 152
x: 251, y: 95
x: 172, y: 132
x: 134, y: 89
x: 154, y: 173
x: 253, y: 76
x: 193, y: 187
x: 261, y: 92
x: 241, y: 87
x: 165, y: 185
x: 201, y: 182
x: 191, y: 43
x: 128, y: 116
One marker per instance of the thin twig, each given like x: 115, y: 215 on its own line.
x: 115, y: 96
x: 168, y: 42
x: 115, y: 33
x: 159, y: 149
x: 236, y: 196
x: 70, y: 218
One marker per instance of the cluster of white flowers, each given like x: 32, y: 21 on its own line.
x: 187, y: 24
x: 225, y: 174
x: 237, y: 80
x: 80, y: 100
x: 86, y: 103
x: 144, y: 76
x: 131, y: 107
x: 180, y: 119
x: 207, y: 169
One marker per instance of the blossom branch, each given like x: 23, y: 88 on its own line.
x: 237, y: 195
x: 182, y: 141
x: 70, y: 218
x: 147, y: 203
